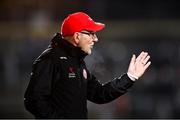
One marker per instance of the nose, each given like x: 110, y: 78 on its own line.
x: 95, y: 39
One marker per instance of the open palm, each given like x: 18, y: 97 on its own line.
x: 138, y: 65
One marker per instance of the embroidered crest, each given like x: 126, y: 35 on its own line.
x: 84, y: 74
x: 71, y: 73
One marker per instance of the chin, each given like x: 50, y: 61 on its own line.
x: 88, y: 52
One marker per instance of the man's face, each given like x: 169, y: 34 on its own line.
x: 87, y: 41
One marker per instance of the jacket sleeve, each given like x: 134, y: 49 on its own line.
x: 37, y: 98
x: 104, y: 93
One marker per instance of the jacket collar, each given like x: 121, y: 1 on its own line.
x: 70, y: 49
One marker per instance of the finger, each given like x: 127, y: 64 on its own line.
x: 146, y: 59
x: 140, y: 55
x: 133, y: 58
x: 147, y: 65
x: 144, y: 56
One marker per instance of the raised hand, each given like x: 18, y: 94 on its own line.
x: 138, y: 65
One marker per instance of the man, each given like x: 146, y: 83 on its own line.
x: 60, y: 83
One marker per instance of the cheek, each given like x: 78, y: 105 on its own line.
x: 86, y: 43
x: 82, y: 44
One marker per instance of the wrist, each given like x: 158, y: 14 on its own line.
x: 132, y: 77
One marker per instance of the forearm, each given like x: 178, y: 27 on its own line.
x: 122, y: 84
x: 100, y: 94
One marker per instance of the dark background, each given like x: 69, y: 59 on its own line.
x: 26, y: 27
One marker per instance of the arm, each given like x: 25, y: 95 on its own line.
x: 104, y: 93
x: 99, y: 93
x: 38, y: 94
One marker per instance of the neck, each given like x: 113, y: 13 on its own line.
x: 70, y: 40
x: 67, y: 44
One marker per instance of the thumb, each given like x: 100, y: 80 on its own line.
x: 133, y: 59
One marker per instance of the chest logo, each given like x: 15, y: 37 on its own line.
x: 65, y: 58
x: 84, y: 74
x: 71, y: 73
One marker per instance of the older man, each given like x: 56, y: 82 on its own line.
x: 60, y: 83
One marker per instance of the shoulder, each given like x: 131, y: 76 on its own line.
x: 53, y: 55
x: 45, y: 55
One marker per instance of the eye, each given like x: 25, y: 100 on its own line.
x: 91, y: 34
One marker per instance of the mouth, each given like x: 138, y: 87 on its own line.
x: 91, y: 46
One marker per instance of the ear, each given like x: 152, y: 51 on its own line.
x: 76, y: 38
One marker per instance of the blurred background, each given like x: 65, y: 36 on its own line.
x: 27, y: 26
